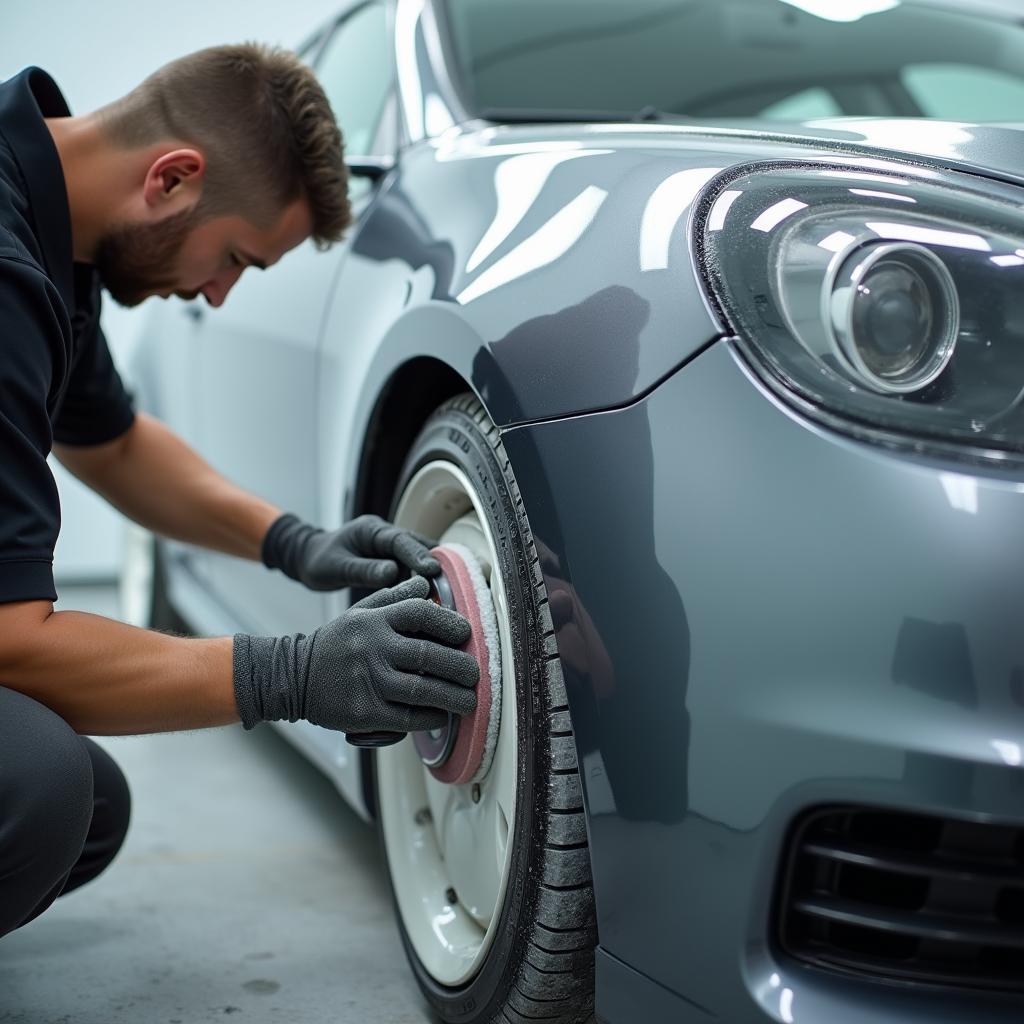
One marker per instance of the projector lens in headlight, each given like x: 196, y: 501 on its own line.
x: 895, y: 316
x: 886, y: 301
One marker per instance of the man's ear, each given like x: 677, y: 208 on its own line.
x: 174, y: 180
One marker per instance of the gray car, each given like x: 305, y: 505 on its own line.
x: 701, y: 323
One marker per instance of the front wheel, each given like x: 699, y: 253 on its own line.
x: 491, y: 880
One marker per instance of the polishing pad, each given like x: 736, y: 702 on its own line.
x: 466, y: 756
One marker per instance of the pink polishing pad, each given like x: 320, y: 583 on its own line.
x: 471, y: 742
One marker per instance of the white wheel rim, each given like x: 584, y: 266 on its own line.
x: 437, y: 838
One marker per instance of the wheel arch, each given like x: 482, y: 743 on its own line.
x: 405, y: 402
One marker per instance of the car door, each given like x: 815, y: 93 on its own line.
x: 256, y: 373
x: 356, y: 71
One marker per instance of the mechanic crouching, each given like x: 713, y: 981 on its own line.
x: 221, y: 160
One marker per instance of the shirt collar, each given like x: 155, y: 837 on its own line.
x: 25, y: 100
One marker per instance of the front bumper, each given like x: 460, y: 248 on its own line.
x: 748, y: 606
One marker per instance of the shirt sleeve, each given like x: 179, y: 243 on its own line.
x: 96, y: 407
x: 33, y: 326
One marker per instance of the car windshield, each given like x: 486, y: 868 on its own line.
x: 777, y: 60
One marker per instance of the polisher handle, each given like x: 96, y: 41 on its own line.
x: 374, y: 739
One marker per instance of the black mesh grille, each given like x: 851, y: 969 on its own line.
x: 907, y: 896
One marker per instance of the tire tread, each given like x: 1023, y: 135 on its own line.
x: 555, y: 979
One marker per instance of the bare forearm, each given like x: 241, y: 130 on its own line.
x: 107, y: 678
x: 157, y: 480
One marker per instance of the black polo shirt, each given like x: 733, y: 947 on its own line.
x: 57, y: 380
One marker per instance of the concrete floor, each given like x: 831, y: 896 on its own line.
x: 247, y: 890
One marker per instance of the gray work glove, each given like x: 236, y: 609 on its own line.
x: 388, y: 663
x: 363, y: 553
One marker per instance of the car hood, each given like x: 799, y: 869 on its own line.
x: 994, y: 150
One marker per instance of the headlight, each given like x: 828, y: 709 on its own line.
x: 894, y: 314
x: 889, y: 302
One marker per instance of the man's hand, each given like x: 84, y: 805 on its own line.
x: 363, y: 553
x: 388, y: 663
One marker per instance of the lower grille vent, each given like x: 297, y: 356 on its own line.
x: 907, y: 896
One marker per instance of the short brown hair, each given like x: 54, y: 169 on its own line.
x: 263, y: 124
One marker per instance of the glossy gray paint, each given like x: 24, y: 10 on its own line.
x: 742, y: 580
x: 526, y: 344
x: 745, y: 585
x: 722, y: 709
x: 611, y: 209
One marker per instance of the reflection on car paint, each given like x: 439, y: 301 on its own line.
x: 518, y: 182
x: 664, y: 209
x: 849, y: 10
x: 550, y: 242
x: 938, y: 138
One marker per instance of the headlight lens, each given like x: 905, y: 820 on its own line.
x: 895, y: 316
x: 894, y: 303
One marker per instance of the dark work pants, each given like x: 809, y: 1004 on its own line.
x: 64, y: 809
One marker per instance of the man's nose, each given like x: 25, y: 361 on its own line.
x: 215, y: 291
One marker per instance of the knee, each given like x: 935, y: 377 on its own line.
x: 112, y: 804
x: 46, y: 788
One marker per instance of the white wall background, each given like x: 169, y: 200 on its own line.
x: 97, y: 51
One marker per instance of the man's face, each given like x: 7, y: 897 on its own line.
x: 185, y: 256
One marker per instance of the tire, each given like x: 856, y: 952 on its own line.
x: 538, y: 962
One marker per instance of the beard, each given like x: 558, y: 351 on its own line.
x: 135, y: 261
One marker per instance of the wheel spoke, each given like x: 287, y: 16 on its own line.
x: 471, y: 861
x: 442, y: 801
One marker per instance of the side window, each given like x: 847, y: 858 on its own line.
x: 803, y: 106
x: 355, y: 72
x: 960, y: 92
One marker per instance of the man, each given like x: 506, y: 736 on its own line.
x: 222, y: 160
